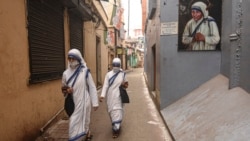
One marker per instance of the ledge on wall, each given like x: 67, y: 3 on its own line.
x: 210, y: 112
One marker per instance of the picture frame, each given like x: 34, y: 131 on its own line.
x: 185, y: 15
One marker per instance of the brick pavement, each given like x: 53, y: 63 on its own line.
x: 141, y: 122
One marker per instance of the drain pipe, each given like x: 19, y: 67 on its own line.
x: 48, y: 123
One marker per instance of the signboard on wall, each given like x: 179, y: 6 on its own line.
x: 169, y: 28
x: 119, y: 50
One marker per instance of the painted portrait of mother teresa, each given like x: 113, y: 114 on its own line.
x: 198, y: 31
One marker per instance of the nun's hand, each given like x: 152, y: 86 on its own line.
x: 199, y: 37
x: 70, y: 90
x: 64, y: 89
x: 125, y: 84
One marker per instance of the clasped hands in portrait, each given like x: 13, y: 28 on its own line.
x: 198, y: 37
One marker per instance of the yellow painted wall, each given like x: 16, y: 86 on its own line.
x: 90, y: 47
x: 24, y: 108
x: 104, y: 51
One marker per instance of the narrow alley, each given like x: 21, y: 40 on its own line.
x: 142, y: 121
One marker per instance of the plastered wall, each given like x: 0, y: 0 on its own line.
x: 24, y: 108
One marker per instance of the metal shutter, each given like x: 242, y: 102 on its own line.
x: 76, y: 31
x: 46, y: 40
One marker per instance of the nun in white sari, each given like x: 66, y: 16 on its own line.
x: 112, y: 82
x: 84, y: 92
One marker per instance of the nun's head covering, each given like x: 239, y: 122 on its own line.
x: 202, y: 7
x: 76, y: 54
x: 116, y: 62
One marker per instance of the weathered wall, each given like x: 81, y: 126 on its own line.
x: 24, y: 108
x: 174, y: 69
x: 188, y: 99
x: 226, y: 30
x: 181, y: 72
x: 104, y: 52
x: 152, y: 53
x: 90, y: 47
x: 100, y: 33
x: 245, y: 65
x: 193, y: 91
x: 235, y: 58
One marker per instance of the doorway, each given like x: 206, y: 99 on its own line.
x: 154, y: 68
x: 98, y: 62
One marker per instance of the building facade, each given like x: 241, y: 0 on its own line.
x: 174, y: 74
x: 35, y: 38
x: 175, y: 67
